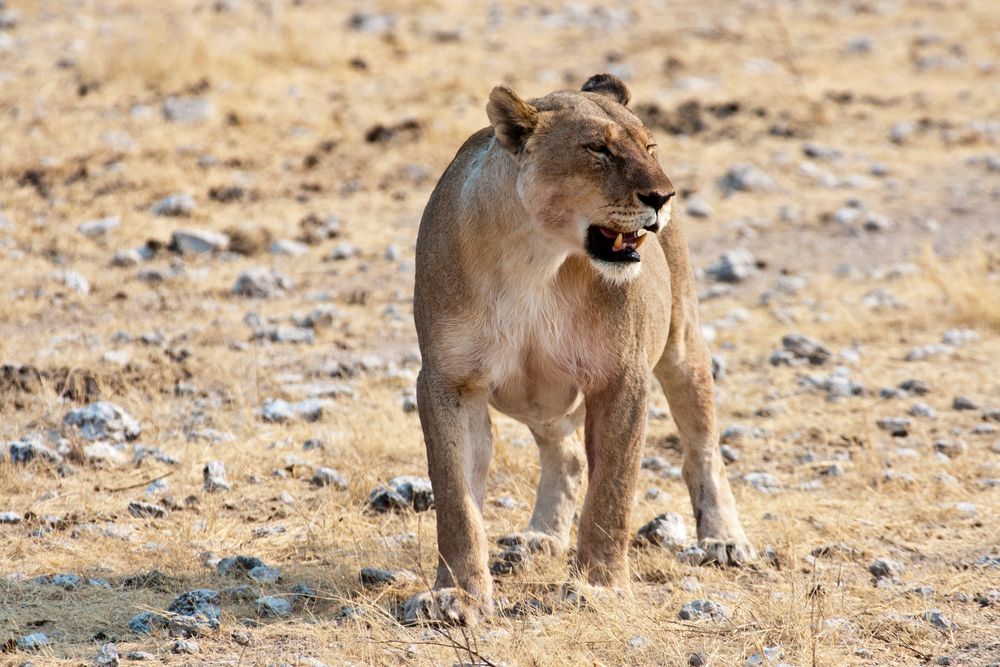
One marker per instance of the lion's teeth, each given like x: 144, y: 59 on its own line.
x: 618, y: 243
x: 640, y: 233
x: 639, y: 241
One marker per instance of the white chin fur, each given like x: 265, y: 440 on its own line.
x: 618, y: 273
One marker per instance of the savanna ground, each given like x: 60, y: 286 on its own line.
x: 897, y: 102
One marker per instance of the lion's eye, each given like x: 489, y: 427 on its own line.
x: 599, y: 149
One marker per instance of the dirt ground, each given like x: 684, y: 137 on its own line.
x: 312, y: 133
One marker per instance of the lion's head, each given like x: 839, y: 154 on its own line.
x: 587, y: 170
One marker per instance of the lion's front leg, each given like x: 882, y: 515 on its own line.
x: 457, y: 436
x: 614, y: 433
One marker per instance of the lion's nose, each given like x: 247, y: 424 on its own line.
x: 655, y: 200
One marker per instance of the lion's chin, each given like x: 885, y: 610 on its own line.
x: 617, y: 273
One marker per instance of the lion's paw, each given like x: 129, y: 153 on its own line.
x: 726, y: 553
x: 448, y: 606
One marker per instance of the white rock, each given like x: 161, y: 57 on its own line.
x: 99, y: 227
x: 261, y: 282
x: 103, y: 421
x: 197, y: 241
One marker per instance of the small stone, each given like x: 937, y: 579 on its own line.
x: 186, y: 647
x: 734, y: 266
x: 198, y: 241
x: 404, y: 492
x: 97, y: 228
x: 278, y: 410
x: 745, y: 177
x: 69, y: 582
x: 103, y: 421
x: 199, y: 608
x: 302, y: 592
x: 741, y: 432
x: 915, y: 387
x: 897, y: 426
x: 187, y: 109
x: 107, y: 656
x: 127, y: 258
x: 270, y: 605
x: 144, y: 622
x: 939, y: 620
x: 329, y: 477
x: 950, y: 448
x: 900, y: 132
x: 964, y: 403
x: 376, y: 577
x: 638, y: 642
x: 885, y: 568
x: 698, y: 207
x: 699, y: 610
x: 30, y: 448
x: 11, y: 518
x: 32, y: 642
x: 288, y: 247
x: 263, y: 574
x: 343, y: 250
x: 692, y: 555
x: 771, y: 653
x: 959, y: 337
x: 176, y: 205
x: 922, y: 410
x: 764, y: 482
x: 929, y: 351
x: 806, y: 348
x: 261, y: 282
x: 139, y: 655
x: 666, y: 530
x: 234, y: 565
x: 142, y: 510
x: 729, y: 453
x: 214, y: 477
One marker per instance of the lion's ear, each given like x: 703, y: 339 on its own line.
x: 608, y: 85
x: 512, y: 118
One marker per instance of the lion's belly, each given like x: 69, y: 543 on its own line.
x: 540, y: 402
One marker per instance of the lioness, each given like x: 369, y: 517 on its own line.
x: 537, y: 292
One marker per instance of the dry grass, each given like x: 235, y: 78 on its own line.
x: 286, y: 96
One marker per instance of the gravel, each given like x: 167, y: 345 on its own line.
x: 329, y: 477
x: 309, y: 410
x: 885, y: 568
x: 744, y: 177
x: 734, y: 266
x: 99, y: 227
x: 179, y: 204
x: 103, y: 421
x: 700, y: 610
x: 666, y: 530
x: 198, y: 241
x: 214, y: 477
x: 763, y: 481
x: 271, y: 605
x: 187, y: 110
x: 261, y: 282
x: 404, y: 492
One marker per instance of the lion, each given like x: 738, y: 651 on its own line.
x: 538, y: 293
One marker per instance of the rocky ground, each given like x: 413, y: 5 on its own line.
x: 208, y: 447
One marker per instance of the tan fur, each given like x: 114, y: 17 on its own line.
x: 512, y: 312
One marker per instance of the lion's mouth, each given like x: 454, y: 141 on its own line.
x: 610, y: 245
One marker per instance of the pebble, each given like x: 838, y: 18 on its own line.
x: 29, y: 448
x: 692, y: 555
x: 33, y: 641
x: 187, y: 109
x: 922, y: 410
x: 103, y: 421
x: 214, y: 477
x: 288, y: 247
x: 310, y: 410
x: 885, y: 568
x: 744, y: 177
x: 404, y: 492
x: 232, y: 565
x: 698, y: 207
x: 179, y: 204
x: 107, y: 656
x: 699, y: 610
x: 964, y: 403
x: 929, y: 351
x: 837, y: 384
x: 939, y: 620
x: 262, y: 574
x: 900, y: 132
x: 959, y: 337
x: 897, y: 426
x: 73, y: 280
x: 666, y: 530
x: 740, y: 432
x: 763, y: 481
x: 144, y: 622
x: 99, y: 227
x: 202, y: 605
x: 729, y: 453
x: 734, y: 266
x: 376, y: 577
x: 343, y: 250
x: 144, y: 510
x: 271, y: 605
x: 198, y: 241
x: 638, y: 642
x: 281, y: 334
x: 950, y: 448
x: 11, y: 518
x: 261, y: 282
x: 770, y: 654
x: 329, y: 477
x: 185, y: 646
x: 139, y: 655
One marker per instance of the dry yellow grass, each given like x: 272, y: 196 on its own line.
x: 292, y: 104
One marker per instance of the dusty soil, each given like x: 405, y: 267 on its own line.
x: 879, y: 232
